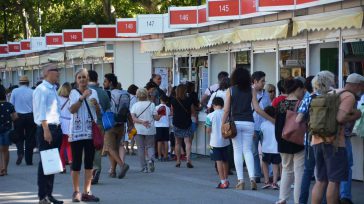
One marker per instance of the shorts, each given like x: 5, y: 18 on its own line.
x: 162, y: 134
x: 5, y: 139
x: 331, y: 162
x: 182, y: 133
x: 219, y: 154
x: 271, y: 158
x: 113, y: 137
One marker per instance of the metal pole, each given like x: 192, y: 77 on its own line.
x: 189, y: 67
x: 340, y: 74
x: 277, y: 63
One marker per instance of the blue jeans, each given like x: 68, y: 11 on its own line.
x: 345, y: 186
x: 308, y: 173
x: 258, y: 137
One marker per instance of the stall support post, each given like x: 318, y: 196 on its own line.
x: 208, y: 70
x: 251, y: 58
x: 189, y: 67
x: 340, y: 74
x: 229, y: 62
x: 65, y: 73
x: 173, y: 70
x: 33, y: 76
x: 308, y: 71
x: 102, y: 69
x: 277, y: 63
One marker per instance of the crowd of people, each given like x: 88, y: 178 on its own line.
x: 162, y: 125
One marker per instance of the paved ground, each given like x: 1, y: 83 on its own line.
x: 167, y: 184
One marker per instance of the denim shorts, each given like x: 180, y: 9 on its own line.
x: 331, y: 162
x: 219, y: 154
x: 5, y: 139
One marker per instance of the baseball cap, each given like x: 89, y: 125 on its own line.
x: 355, y: 78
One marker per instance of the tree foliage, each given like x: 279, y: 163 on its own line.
x: 21, y: 17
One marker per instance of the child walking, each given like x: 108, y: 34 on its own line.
x: 161, y: 116
x: 217, y: 143
x: 270, y: 151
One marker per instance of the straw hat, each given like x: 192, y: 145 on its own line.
x: 23, y: 79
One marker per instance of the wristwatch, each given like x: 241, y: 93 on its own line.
x: 80, y: 100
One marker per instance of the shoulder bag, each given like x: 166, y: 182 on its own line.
x: 97, y: 137
x: 292, y: 131
x: 228, y: 129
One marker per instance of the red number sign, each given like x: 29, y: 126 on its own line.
x: 70, y: 36
x: 263, y: 3
x: 25, y: 45
x: 304, y: 1
x: 107, y: 31
x: 223, y: 8
x: 128, y: 27
x: 89, y: 32
x: 54, y: 39
x: 4, y: 49
x: 183, y: 17
x: 14, y: 47
x: 248, y: 6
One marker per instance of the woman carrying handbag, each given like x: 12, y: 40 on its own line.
x: 84, y: 109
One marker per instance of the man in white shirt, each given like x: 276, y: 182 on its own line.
x: 47, y: 111
x: 213, y: 88
x: 22, y: 98
x: 263, y: 98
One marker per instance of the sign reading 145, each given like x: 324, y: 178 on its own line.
x: 224, y: 8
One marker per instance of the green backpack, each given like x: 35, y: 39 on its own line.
x: 323, y: 112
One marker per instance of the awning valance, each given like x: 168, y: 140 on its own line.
x: 43, y: 59
x: 2, y: 64
x: 264, y: 46
x: 151, y: 45
x: 347, y: 18
x: 74, y: 54
x: 94, y: 52
x: 264, y: 31
x: 31, y: 61
x: 56, y: 57
x: 11, y: 63
x: 296, y: 42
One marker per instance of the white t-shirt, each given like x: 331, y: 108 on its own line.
x: 214, y: 121
x: 219, y: 93
x: 81, y: 124
x: 164, y: 120
x: 269, y: 144
x: 137, y: 109
x: 133, y: 100
x: 212, y: 88
x: 65, y: 115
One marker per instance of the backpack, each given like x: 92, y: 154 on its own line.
x: 322, y: 115
x: 120, y: 106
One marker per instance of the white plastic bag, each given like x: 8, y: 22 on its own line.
x: 51, y: 161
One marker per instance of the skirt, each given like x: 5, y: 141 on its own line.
x: 182, y: 133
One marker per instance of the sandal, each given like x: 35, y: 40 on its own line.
x: 281, y: 202
x: 3, y: 172
x: 112, y: 174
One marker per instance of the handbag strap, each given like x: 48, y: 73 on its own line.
x: 64, y: 104
x: 231, y: 103
x: 88, y: 107
x: 144, y: 110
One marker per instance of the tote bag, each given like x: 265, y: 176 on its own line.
x: 292, y: 131
x: 51, y: 161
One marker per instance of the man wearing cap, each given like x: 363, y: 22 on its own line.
x: 22, y: 98
x: 354, y: 84
x: 334, y: 161
x: 47, y: 111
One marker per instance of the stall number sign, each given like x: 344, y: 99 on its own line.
x: 127, y: 27
x: 54, y: 40
x: 150, y: 24
x: 38, y: 43
x: 223, y: 8
x: 248, y: 6
x: 108, y: 32
x: 4, y: 49
x: 89, y: 32
x: 25, y: 45
x: 178, y: 17
x: 72, y: 36
x: 14, y: 47
x: 269, y: 3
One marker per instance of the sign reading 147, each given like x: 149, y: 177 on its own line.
x: 150, y: 23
